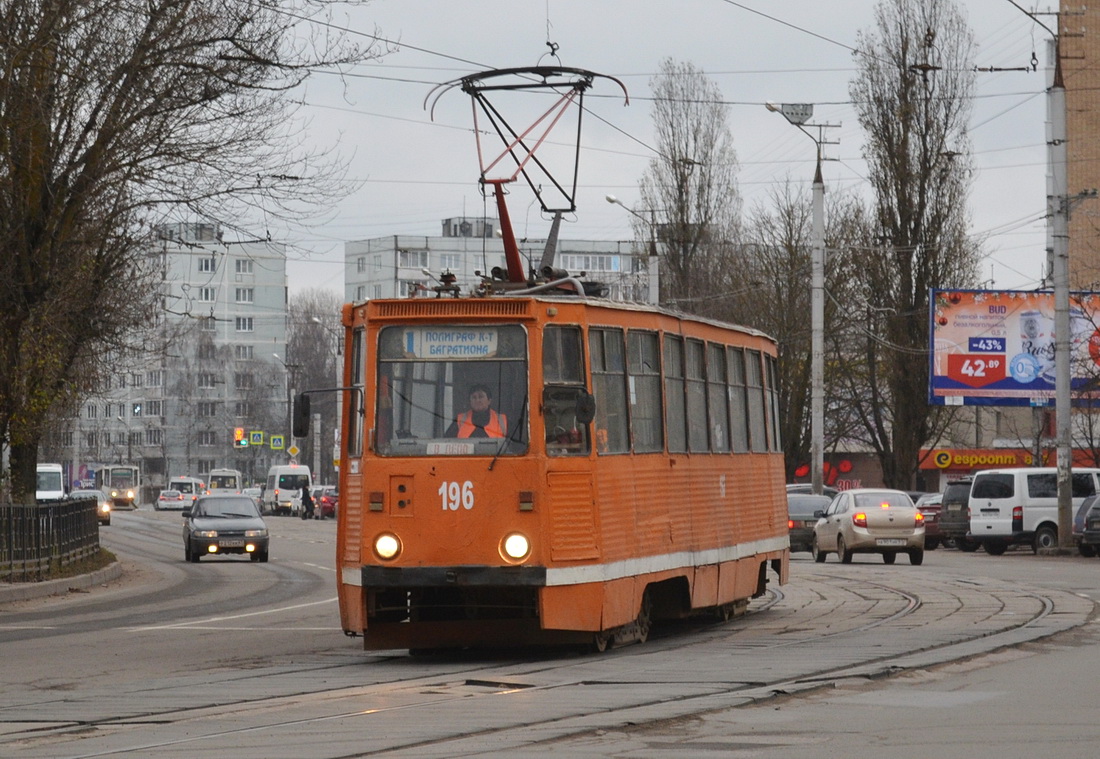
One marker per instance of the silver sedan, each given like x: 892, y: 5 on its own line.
x: 870, y: 521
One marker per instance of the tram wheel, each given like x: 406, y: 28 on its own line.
x: 602, y: 641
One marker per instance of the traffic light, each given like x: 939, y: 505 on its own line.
x: 239, y: 438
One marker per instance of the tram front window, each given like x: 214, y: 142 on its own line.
x: 452, y: 390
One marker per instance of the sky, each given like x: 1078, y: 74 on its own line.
x: 411, y: 168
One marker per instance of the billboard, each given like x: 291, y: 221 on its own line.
x: 996, y: 347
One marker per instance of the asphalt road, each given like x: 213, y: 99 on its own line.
x: 969, y: 655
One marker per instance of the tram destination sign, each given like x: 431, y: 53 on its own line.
x: 448, y: 343
x: 996, y: 347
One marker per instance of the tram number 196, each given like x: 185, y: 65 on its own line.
x: 455, y: 494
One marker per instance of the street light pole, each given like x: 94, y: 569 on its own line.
x: 653, y: 266
x: 799, y: 115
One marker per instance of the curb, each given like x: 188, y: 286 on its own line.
x: 24, y: 591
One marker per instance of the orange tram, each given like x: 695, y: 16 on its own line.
x: 631, y: 471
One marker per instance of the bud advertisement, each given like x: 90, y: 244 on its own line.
x: 996, y: 347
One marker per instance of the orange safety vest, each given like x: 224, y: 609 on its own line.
x: 498, y: 424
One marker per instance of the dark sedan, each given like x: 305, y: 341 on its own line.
x: 1086, y: 526
x: 219, y: 524
x: 801, y: 519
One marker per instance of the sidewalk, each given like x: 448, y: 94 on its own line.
x: 24, y: 591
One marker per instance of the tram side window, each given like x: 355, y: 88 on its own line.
x: 754, y: 382
x: 718, y: 398
x: 563, y: 376
x: 675, y: 418
x: 696, y: 396
x: 644, y: 362
x: 739, y: 413
x: 354, y: 400
x: 773, y: 403
x: 609, y: 386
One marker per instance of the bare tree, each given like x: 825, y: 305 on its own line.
x: 313, y: 338
x: 913, y: 94
x: 690, y: 188
x: 114, y: 114
x: 774, y: 267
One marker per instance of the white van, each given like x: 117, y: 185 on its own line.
x: 51, y: 483
x: 283, y: 494
x: 1010, y: 506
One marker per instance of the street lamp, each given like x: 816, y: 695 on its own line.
x: 652, y: 266
x: 799, y: 114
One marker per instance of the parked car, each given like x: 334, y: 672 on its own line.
x: 1020, y: 505
x: 931, y: 505
x: 1080, y: 525
x: 326, y: 502
x: 807, y: 487
x: 102, y: 506
x: 171, y: 499
x: 219, y: 524
x: 955, y: 514
x: 1090, y: 535
x: 868, y: 520
x: 800, y: 517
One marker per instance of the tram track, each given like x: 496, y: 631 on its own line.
x: 784, y: 629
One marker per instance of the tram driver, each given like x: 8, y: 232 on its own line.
x: 480, y: 420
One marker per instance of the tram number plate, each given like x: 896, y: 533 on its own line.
x: 890, y: 542
x: 231, y: 543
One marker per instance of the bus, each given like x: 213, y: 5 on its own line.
x: 631, y: 470
x: 226, y: 481
x: 121, y: 483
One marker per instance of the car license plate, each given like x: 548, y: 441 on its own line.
x: 231, y: 543
x: 954, y: 507
x: 890, y: 542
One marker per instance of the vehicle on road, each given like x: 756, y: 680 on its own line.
x: 50, y: 485
x: 542, y: 504
x: 1086, y: 548
x: 102, y: 503
x: 121, y: 483
x: 326, y: 499
x: 801, y: 508
x: 931, y: 505
x: 807, y: 487
x: 1020, y: 505
x: 225, y: 481
x: 283, y: 494
x: 257, y: 495
x: 870, y: 520
x: 954, y: 518
x: 1090, y: 534
x: 224, y: 524
x: 191, y: 487
x: 171, y: 500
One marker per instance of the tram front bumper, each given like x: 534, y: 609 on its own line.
x: 458, y: 576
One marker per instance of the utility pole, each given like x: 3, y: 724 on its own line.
x: 799, y: 115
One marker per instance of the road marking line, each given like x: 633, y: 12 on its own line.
x: 209, y: 620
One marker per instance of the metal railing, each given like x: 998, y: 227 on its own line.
x: 38, y: 539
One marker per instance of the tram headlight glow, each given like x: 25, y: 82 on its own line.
x: 387, y: 546
x: 515, y: 547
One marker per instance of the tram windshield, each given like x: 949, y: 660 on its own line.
x: 452, y: 390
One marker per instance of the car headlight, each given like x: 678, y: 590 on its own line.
x: 206, y: 534
x: 129, y: 493
x: 387, y: 546
x: 515, y: 547
x: 255, y: 533
x: 105, y: 507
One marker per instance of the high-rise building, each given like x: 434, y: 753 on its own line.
x: 217, y: 364
x: 1080, y: 54
x: 398, y: 265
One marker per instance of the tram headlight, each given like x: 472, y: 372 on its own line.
x: 515, y: 547
x: 387, y: 546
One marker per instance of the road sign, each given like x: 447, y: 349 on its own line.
x: 293, y: 450
x: 255, y: 437
x: 278, y: 442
